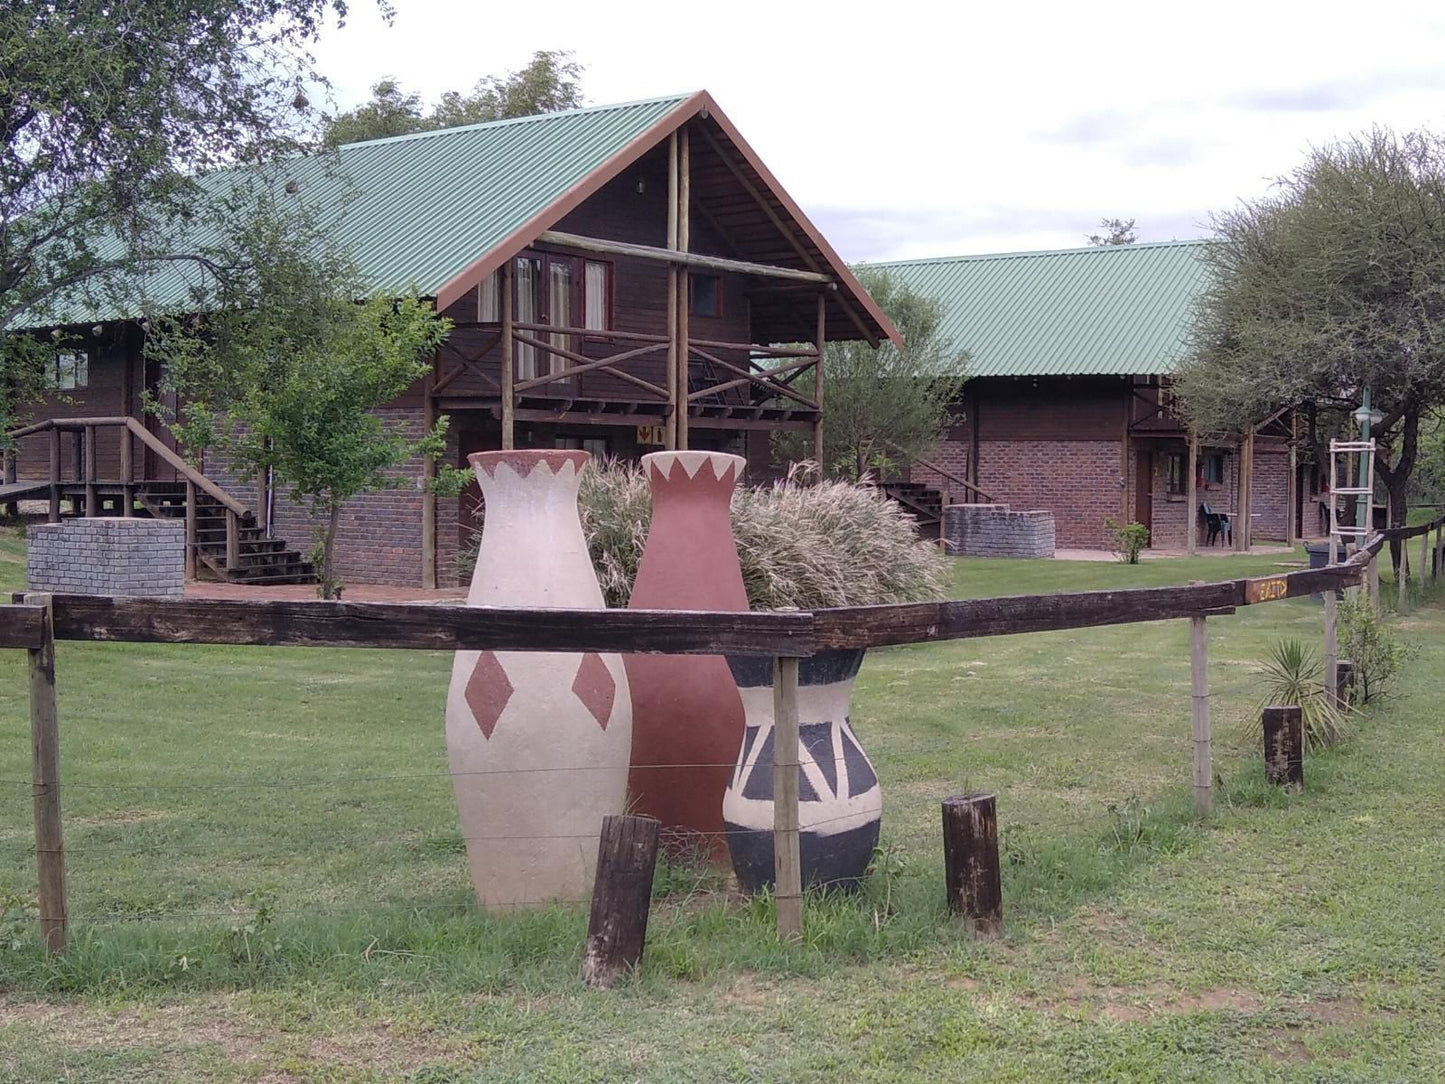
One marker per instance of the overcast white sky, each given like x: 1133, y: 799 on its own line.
x: 913, y: 129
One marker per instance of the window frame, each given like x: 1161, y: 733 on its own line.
x: 577, y: 316
x: 1176, y: 473
x: 717, y: 307
x: 1205, y: 460
x: 79, y: 371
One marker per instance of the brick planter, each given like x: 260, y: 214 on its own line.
x: 108, y: 556
x: 993, y: 530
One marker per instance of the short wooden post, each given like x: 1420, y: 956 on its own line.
x: 92, y: 505
x: 54, y: 516
x: 1331, y: 613
x: 1424, y: 556
x: 621, y: 898
x: 1203, y: 737
x: 233, y: 540
x: 127, y: 473
x: 1344, y: 683
x: 1372, y: 580
x: 190, y: 530
x: 787, y: 862
x: 45, y: 773
x: 1284, y: 749
x: 1402, y: 578
x: 970, y: 862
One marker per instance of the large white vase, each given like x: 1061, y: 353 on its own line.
x: 539, y: 742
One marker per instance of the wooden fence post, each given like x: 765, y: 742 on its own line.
x: 787, y: 862
x: 1202, y: 736
x: 1284, y: 751
x: 1345, y: 683
x: 1331, y: 639
x: 45, y: 774
x: 1402, y: 578
x: 621, y: 898
x: 970, y: 862
x: 1372, y: 580
x: 1424, y: 557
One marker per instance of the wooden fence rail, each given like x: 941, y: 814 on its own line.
x: 35, y: 622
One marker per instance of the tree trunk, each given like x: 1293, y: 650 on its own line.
x: 1396, y: 477
x: 329, y: 588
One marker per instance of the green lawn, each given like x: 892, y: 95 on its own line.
x: 267, y: 881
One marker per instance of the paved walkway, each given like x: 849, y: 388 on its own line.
x: 1155, y: 555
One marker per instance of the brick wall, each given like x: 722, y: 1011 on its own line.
x: 992, y: 530
x: 1270, y: 495
x: 952, y: 456
x: 105, y: 556
x: 1077, y: 480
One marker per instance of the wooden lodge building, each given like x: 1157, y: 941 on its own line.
x: 619, y: 278
x: 1068, y: 407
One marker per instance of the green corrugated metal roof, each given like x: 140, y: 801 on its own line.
x: 417, y: 210
x: 1103, y: 310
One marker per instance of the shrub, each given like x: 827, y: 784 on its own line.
x: 1293, y: 675
x: 1129, y: 539
x: 802, y: 546
x: 1368, y: 642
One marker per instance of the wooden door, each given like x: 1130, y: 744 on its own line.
x: 1144, y: 490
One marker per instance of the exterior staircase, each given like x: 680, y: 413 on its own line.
x: 261, y: 560
x: 922, y: 502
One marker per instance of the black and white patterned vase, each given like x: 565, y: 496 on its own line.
x: 840, y: 805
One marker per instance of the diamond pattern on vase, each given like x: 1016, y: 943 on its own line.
x: 488, y: 691
x: 595, y: 688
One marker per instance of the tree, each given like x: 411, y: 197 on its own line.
x: 285, y: 374
x: 1119, y: 231
x: 892, y: 401
x: 1332, y: 284
x: 108, y: 108
x: 551, y: 82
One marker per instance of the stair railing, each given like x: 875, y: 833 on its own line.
x: 133, y: 429
x: 969, y: 487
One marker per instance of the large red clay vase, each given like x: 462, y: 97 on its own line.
x: 538, y: 741
x: 687, y: 716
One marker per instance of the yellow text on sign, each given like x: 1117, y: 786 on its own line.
x: 1266, y: 590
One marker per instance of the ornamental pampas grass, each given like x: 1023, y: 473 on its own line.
x: 801, y: 546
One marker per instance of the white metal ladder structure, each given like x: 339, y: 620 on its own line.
x: 1342, y: 452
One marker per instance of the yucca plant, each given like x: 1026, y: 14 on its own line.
x: 1294, y: 674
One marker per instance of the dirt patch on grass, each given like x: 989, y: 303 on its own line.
x: 1130, y: 1004
x: 222, y: 1023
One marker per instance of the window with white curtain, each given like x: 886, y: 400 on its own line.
x: 597, y: 302
x: 528, y: 276
x: 560, y: 276
x: 489, y: 299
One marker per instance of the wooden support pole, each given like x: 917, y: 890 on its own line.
x: 1236, y: 531
x: 127, y: 473
x: 92, y: 504
x: 12, y: 475
x: 190, y: 530
x: 621, y: 898
x: 1291, y: 487
x: 970, y: 862
x: 1284, y: 750
x: 1332, y: 655
x: 787, y: 861
x: 684, y: 291
x: 54, y: 516
x: 1191, y: 497
x: 1203, y: 738
x: 509, y: 365
x: 1424, y: 558
x: 1344, y: 683
x: 261, y: 519
x: 1372, y: 581
x: 45, y: 774
x: 670, y: 437
x: 820, y: 342
x: 684, y: 258
x: 428, y: 493
x: 233, y: 540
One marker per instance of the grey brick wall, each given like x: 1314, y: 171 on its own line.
x: 993, y: 530
x: 108, y: 556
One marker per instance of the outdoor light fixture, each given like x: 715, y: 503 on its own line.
x: 1365, y: 416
